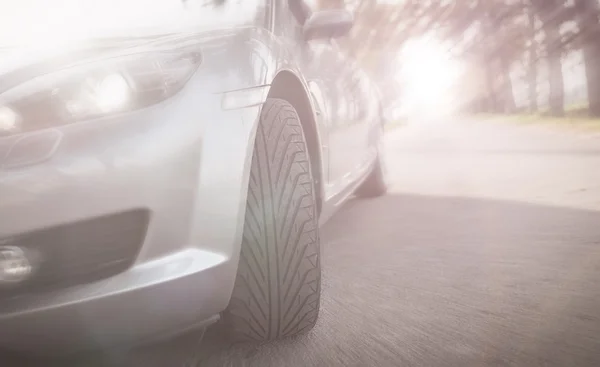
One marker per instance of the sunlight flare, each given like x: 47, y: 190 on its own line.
x: 428, y: 75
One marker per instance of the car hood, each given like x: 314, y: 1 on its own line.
x: 50, y: 23
x: 31, y: 30
x: 36, y: 39
x: 18, y: 57
x: 20, y: 65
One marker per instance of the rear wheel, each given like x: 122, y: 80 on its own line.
x: 278, y: 285
x: 375, y: 184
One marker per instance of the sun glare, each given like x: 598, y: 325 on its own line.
x: 427, y: 75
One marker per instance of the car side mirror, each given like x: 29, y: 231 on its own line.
x: 326, y: 24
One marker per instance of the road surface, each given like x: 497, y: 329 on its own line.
x: 486, y: 252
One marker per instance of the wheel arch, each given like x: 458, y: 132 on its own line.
x: 288, y: 86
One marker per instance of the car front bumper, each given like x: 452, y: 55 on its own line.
x: 185, y: 164
x: 173, y: 294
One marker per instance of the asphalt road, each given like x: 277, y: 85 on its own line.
x: 486, y: 252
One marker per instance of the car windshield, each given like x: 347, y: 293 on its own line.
x: 42, y: 22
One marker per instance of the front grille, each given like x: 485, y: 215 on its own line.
x: 81, y: 252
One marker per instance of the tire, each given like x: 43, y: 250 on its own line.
x: 278, y: 284
x: 375, y: 184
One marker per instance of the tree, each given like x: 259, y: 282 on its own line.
x: 532, y: 59
x: 507, y: 34
x: 551, y: 14
x: 500, y: 42
x: 587, y: 17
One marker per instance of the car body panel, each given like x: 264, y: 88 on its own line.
x: 186, y: 160
x: 318, y: 62
x: 162, y: 159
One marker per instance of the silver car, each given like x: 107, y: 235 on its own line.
x: 165, y: 164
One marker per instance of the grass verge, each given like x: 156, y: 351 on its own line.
x: 570, y: 121
x: 391, y: 125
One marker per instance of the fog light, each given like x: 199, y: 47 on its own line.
x: 15, y: 267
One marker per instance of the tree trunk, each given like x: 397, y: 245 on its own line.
x: 591, y: 54
x: 532, y: 70
x: 491, y: 100
x: 587, y: 11
x: 555, y: 77
x: 487, y: 58
x: 547, y: 10
x: 508, y: 97
x: 532, y: 84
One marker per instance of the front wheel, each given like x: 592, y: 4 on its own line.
x: 278, y: 285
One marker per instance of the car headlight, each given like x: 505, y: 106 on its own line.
x: 95, y: 89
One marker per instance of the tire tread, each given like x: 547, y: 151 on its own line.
x: 277, y: 290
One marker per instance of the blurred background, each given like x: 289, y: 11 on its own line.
x: 482, y: 56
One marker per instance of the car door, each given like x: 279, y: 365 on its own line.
x: 369, y: 122
x: 338, y: 93
x: 322, y: 68
x: 348, y: 139
x: 317, y: 62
